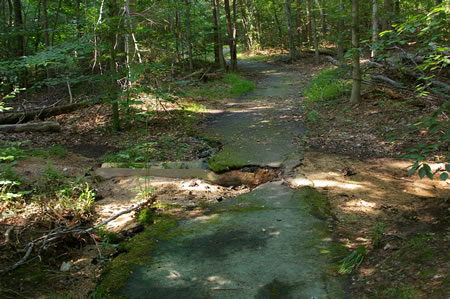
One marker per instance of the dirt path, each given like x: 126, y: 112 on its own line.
x: 266, y: 243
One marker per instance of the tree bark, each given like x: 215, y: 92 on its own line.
x: 356, y: 73
x: 19, y: 26
x: 309, y: 22
x: 314, y: 33
x: 189, y: 34
x: 216, y: 7
x: 373, y: 53
x: 55, y: 23
x: 45, y: 24
x: 341, y: 26
x: 322, y: 17
x: 231, y: 35
x: 290, y: 33
x: 387, y: 15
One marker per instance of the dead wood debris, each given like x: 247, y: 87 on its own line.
x: 57, y: 233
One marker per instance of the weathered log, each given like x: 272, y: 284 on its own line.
x: 44, y: 126
x: 336, y: 62
x: 323, y: 51
x: 16, y: 117
x: 387, y: 80
x: 200, y: 71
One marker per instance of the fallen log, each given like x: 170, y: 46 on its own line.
x: 44, y: 126
x: 18, y: 117
x: 336, y: 62
x: 322, y: 51
x: 387, y: 80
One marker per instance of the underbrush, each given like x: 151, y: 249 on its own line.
x: 231, y: 85
x: 162, y: 148
x: 328, y: 85
x: 54, y: 197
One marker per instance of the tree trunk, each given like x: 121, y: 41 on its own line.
x: 77, y: 17
x: 216, y: 6
x: 189, y: 34
x: 278, y: 24
x: 341, y: 31
x: 356, y: 73
x: 234, y: 53
x: 10, y: 24
x: 309, y: 22
x: 290, y: 34
x: 55, y: 23
x: 45, y: 24
x: 314, y: 33
x: 322, y: 17
x: 298, y: 22
x: 373, y: 54
x: 18, y: 20
x: 387, y: 15
x: 231, y: 29
x: 246, y: 25
x: 114, y: 94
x: 397, y: 7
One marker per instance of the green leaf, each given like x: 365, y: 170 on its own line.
x: 447, y: 167
x: 422, y: 173
x: 444, y: 176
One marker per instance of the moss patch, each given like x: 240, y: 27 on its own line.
x: 227, y: 159
x: 136, y: 252
x: 318, y: 204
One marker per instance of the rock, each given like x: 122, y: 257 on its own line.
x: 65, y: 266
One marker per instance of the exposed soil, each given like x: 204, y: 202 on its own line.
x: 349, y: 157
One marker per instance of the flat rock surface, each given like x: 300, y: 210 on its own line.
x: 263, y: 244
x: 257, y: 245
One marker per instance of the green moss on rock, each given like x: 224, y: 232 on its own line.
x: 137, y: 251
x: 227, y: 159
x: 318, y: 204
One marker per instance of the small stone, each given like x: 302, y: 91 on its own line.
x: 65, y: 266
x: 263, y: 230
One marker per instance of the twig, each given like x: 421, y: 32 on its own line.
x: 57, y: 233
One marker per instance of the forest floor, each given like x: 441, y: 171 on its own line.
x: 401, y: 220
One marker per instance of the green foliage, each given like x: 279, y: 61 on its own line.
x: 328, y: 85
x: 163, y: 148
x: 439, y: 132
x: 108, y: 238
x: 76, y: 200
x: 11, y: 151
x: 231, y: 85
x: 51, y: 173
x: 352, y: 261
x: 376, y: 233
x: 59, y: 151
x: 239, y: 85
x: 146, y: 216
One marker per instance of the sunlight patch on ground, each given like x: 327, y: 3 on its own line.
x: 219, y: 280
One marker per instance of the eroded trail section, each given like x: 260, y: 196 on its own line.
x: 270, y: 243
x: 256, y: 129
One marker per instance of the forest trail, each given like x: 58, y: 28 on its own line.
x: 263, y: 244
